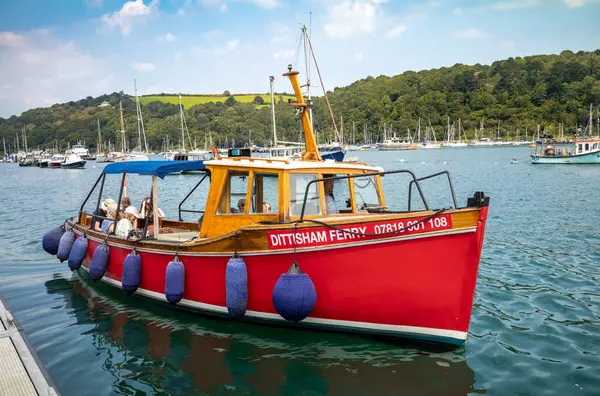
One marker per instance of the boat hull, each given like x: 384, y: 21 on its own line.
x: 589, y: 158
x: 416, y: 286
x: 337, y: 156
x: 73, y: 165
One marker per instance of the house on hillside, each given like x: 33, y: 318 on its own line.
x: 104, y: 104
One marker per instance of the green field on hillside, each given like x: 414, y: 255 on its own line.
x: 192, y: 100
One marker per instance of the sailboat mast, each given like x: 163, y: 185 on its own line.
x: 138, y: 108
x: 99, y: 148
x: 306, y: 60
x: 122, y: 125
x: 591, y: 121
x: 181, y: 117
x: 271, y: 82
x: 25, y: 139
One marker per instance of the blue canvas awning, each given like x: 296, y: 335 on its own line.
x: 153, y: 168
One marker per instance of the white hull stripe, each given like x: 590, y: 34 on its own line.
x: 342, y: 324
x: 300, y: 250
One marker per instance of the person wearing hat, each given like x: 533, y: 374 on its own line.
x: 128, y: 222
x: 100, y: 214
x: 108, y: 223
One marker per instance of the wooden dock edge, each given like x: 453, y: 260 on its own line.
x: 21, y: 372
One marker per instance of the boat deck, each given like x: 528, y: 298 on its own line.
x: 20, y: 373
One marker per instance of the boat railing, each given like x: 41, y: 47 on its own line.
x: 416, y: 181
x: 187, y: 196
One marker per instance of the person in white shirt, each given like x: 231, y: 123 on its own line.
x: 330, y: 205
x: 128, y: 222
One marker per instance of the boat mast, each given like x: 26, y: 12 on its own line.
x: 99, y: 148
x: 122, y: 126
x: 312, y: 151
x: 305, y: 40
x: 182, y: 130
x: 138, y: 108
x: 271, y: 82
x: 25, y: 139
x: 591, y: 121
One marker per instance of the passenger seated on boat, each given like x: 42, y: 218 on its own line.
x: 128, y: 222
x: 100, y: 213
x: 266, y: 207
x: 145, y: 209
x: 241, y: 206
x: 330, y: 205
x: 125, y: 203
x: 108, y: 223
x: 549, y: 152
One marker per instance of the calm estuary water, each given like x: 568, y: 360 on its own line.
x: 535, y: 328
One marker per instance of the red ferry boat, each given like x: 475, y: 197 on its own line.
x: 274, y: 245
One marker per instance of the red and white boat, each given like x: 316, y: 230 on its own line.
x: 296, y: 254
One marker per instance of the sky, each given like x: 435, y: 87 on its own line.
x: 61, y: 50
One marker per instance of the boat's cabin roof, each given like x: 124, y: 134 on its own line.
x: 291, y: 165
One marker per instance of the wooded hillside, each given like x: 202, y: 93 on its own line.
x: 520, y: 93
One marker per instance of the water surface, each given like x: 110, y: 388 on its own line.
x: 535, y: 328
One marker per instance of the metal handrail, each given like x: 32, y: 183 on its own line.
x: 429, y: 177
x: 415, y: 180
x: 88, y: 197
x: 187, y: 196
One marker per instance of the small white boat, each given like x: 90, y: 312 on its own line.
x: 73, y: 161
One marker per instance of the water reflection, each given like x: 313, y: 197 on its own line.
x: 154, y: 349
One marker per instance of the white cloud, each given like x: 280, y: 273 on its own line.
x: 232, y: 44
x: 39, y: 70
x: 352, y: 17
x: 396, y: 32
x: 223, y: 7
x: 132, y: 12
x: 287, y: 55
x: 579, y: 3
x: 143, y: 67
x: 470, y: 33
x: 514, y: 4
x: 358, y: 56
x: 10, y: 39
x: 168, y: 37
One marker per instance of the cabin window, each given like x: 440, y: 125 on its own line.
x: 233, y: 198
x: 298, y: 183
x: 337, y: 195
x: 580, y: 147
x: 595, y: 146
x: 367, y: 194
x: 265, y: 194
x: 587, y: 146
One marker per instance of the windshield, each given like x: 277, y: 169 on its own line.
x: 367, y: 195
